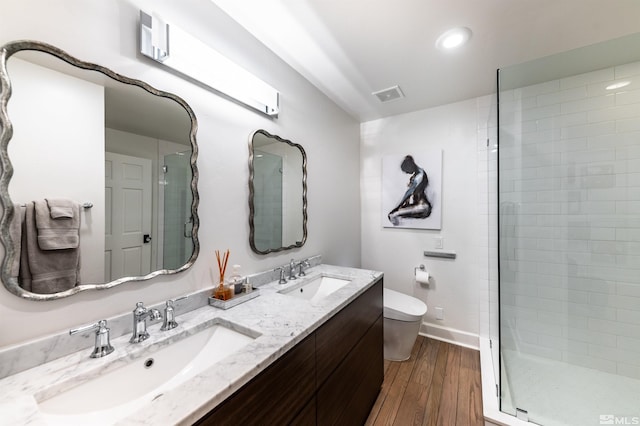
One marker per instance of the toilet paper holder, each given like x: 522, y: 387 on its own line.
x: 422, y: 268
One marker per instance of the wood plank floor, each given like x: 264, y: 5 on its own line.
x: 439, y: 385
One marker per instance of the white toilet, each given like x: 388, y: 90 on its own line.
x: 402, y: 318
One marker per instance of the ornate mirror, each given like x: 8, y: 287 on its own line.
x: 277, y: 193
x: 119, y: 152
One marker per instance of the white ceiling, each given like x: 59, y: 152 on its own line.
x: 351, y: 48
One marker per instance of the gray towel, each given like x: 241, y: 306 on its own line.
x: 15, y: 231
x: 58, y: 227
x: 61, y: 208
x: 46, y: 271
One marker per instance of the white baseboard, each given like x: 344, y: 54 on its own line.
x: 450, y: 335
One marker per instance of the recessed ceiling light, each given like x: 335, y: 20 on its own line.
x: 618, y: 85
x: 453, y: 38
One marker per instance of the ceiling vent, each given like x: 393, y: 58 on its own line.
x: 390, y: 94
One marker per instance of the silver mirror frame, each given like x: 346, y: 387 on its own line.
x: 252, y: 193
x: 6, y: 132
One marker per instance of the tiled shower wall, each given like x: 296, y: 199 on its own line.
x: 570, y: 220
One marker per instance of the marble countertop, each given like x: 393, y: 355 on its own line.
x: 280, y: 322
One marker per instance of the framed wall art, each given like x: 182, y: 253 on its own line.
x: 412, y: 190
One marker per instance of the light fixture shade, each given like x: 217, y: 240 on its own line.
x: 178, y: 50
x: 453, y: 38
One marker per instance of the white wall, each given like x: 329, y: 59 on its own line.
x: 460, y: 130
x: 58, y: 141
x: 105, y: 32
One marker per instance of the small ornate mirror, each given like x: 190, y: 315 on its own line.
x: 277, y: 193
x: 76, y: 131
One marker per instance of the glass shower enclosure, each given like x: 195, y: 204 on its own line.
x: 268, y: 199
x: 569, y: 236
x: 177, y: 221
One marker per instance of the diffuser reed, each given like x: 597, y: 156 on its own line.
x: 221, y: 292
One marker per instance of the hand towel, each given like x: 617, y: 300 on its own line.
x: 60, y: 208
x: 46, y: 271
x: 15, y: 231
x: 61, y: 232
x: 24, y: 276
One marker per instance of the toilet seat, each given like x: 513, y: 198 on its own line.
x: 402, y: 307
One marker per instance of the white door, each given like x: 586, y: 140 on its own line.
x: 127, y: 216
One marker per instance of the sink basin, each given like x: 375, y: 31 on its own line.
x: 112, y: 395
x: 316, y: 288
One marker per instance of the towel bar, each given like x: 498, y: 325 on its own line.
x: 441, y: 254
x: 86, y: 205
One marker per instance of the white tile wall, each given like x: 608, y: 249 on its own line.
x: 570, y: 220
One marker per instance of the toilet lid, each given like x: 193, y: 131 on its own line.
x: 402, y: 307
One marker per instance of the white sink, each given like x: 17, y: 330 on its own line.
x: 110, y: 396
x: 316, y: 288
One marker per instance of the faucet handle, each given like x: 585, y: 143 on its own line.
x: 170, y: 302
x: 140, y: 308
x: 84, y: 328
x: 292, y: 267
x: 169, y: 314
x: 102, y: 345
x: 90, y: 327
x: 303, y: 264
x: 154, y: 314
x: 282, y: 280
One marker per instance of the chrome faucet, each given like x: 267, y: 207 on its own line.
x: 140, y: 316
x: 170, y: 315
x: 303, y: 264
x: 292, y: 270
x: 102, y: 346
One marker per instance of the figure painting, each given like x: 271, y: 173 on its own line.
x: 412, y: 191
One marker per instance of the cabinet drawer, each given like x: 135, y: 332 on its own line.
x: 349, y: 393
x: 341, y: 333
x: 274, y: 397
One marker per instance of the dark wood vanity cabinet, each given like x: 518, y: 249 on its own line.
x: 338, y: 336
x: 275, y: 396
x: 333, y: 377
x: 349, y: 361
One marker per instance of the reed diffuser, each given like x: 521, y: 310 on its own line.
x: 221, y: 291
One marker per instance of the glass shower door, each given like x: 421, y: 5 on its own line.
x: 569, y: 238
x: 268, y: 199
x: 177, y: 243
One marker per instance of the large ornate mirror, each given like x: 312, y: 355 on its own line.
x: 124, y: 152
x: 277, y: 193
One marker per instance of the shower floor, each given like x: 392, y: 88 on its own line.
x: 556, y: 393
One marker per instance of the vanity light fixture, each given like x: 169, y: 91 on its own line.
x: 176, y: 49
x: 453, y: 38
